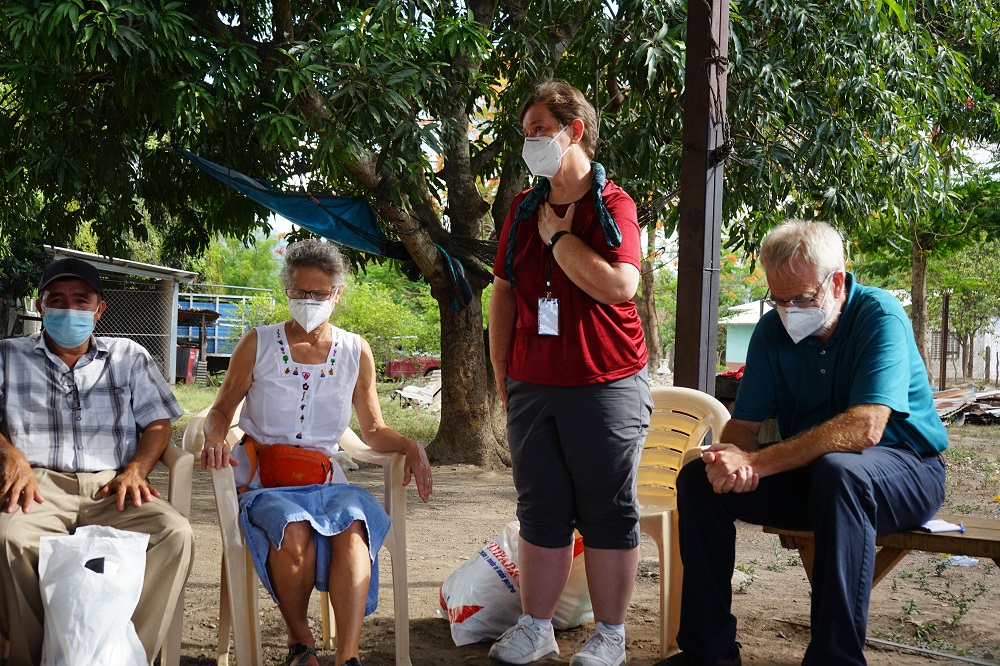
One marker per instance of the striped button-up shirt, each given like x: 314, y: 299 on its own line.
x: 86, y: 419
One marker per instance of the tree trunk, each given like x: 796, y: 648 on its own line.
x: 918, y: 301
x: 473, y: 423
x: 5, y: 309
x: 987, y: 357
x: 968, y: 354
x: 646, y: 303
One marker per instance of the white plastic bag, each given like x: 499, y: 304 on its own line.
x: 90, y: 583
x: 482, y: 599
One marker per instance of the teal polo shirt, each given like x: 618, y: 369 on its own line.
x: 870, y: 359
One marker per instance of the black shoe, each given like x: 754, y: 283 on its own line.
x: 353, y: 661
x: 299, y: 654
x: 688, y: 659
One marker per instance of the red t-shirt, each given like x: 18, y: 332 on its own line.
x: 596, y: 343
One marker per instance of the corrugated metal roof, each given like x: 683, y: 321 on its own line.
x: 124, y: 266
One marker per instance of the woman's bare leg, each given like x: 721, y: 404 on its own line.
x: 350, y: 573
x: 292, y: 570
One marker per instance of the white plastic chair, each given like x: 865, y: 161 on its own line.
x: 682, y: 418
x: 179, y: 464
x: 238, y: 602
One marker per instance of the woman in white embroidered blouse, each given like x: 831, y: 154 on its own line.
x: 299, y: 380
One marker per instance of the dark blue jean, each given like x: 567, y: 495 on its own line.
x: 845, y: 498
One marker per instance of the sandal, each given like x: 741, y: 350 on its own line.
x: 299, y: 653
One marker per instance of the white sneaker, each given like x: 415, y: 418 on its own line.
x: 524, y: 643
x: 601, y: 649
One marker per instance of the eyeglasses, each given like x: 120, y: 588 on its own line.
x: 316, y: 294
x: 73, y: 397
x: 801, y: 301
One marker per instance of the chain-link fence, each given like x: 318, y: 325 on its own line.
x: 141, y: 310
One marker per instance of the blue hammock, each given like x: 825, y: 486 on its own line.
x: 348, y: 221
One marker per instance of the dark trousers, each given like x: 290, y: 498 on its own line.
x: 845, y: 498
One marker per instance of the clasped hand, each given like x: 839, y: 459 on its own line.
x: 729, y: 469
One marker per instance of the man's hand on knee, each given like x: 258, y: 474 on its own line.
x: 18, y: 486
x: 130, y: 483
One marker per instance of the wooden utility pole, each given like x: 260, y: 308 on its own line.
x: 699, y: 229
x: 943, y: 376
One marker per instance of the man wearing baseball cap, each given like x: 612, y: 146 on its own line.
x: 83, y: 420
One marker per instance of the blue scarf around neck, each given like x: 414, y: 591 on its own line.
x: 612, y: 234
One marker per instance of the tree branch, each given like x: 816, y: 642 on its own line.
x: 484, y: 157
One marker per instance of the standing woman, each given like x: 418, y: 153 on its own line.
x: 569, y: 356
x: 299, y: 380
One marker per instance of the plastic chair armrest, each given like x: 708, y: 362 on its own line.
x: 180, y: 467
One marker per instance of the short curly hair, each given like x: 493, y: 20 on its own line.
x: 314, y: 253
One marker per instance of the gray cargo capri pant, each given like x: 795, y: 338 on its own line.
x: 575, y: 455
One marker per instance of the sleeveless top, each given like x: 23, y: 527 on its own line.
x: 307, y: 405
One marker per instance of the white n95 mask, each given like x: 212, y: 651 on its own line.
x: 801, y: 322
x: 543, y: 155
x: 309, y: 313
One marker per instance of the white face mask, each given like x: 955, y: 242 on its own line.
x: 803, y: 322
x: 543, y: 155
x: 309, y: 313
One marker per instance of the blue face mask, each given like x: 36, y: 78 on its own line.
x: 68, y: 328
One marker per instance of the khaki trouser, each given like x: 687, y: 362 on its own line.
x: 72, y: 500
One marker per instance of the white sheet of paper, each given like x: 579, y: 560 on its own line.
x: 937, y: 525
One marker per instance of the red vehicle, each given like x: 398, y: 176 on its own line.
x: 412, y: 366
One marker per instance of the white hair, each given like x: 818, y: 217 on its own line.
x: 815, y: 244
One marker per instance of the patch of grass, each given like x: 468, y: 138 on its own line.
x: 194, y: 398
x: 776, y: 563
x: 978, y: 432
x: 973, y: 470
x: 949, y: 590
x: 414, y: 422
x: 991, y: 475
x: 749, y: 576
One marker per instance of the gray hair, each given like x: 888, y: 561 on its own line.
x: 314, y: 253
x: 815, y: 244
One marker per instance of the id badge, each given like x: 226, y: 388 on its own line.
x: 548, y: 316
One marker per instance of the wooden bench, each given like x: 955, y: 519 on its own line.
x: 980, y: 539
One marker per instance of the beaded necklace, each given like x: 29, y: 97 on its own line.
x: 293, y: 369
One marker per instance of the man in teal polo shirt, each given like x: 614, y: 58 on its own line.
x: 836, y: 363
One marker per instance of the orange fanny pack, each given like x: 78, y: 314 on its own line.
x: 285, y: 465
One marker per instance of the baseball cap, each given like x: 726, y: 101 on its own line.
x: 74, y: 268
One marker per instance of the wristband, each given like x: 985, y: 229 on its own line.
x: 555, y: 237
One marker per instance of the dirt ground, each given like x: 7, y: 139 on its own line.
x: 914, y: 605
